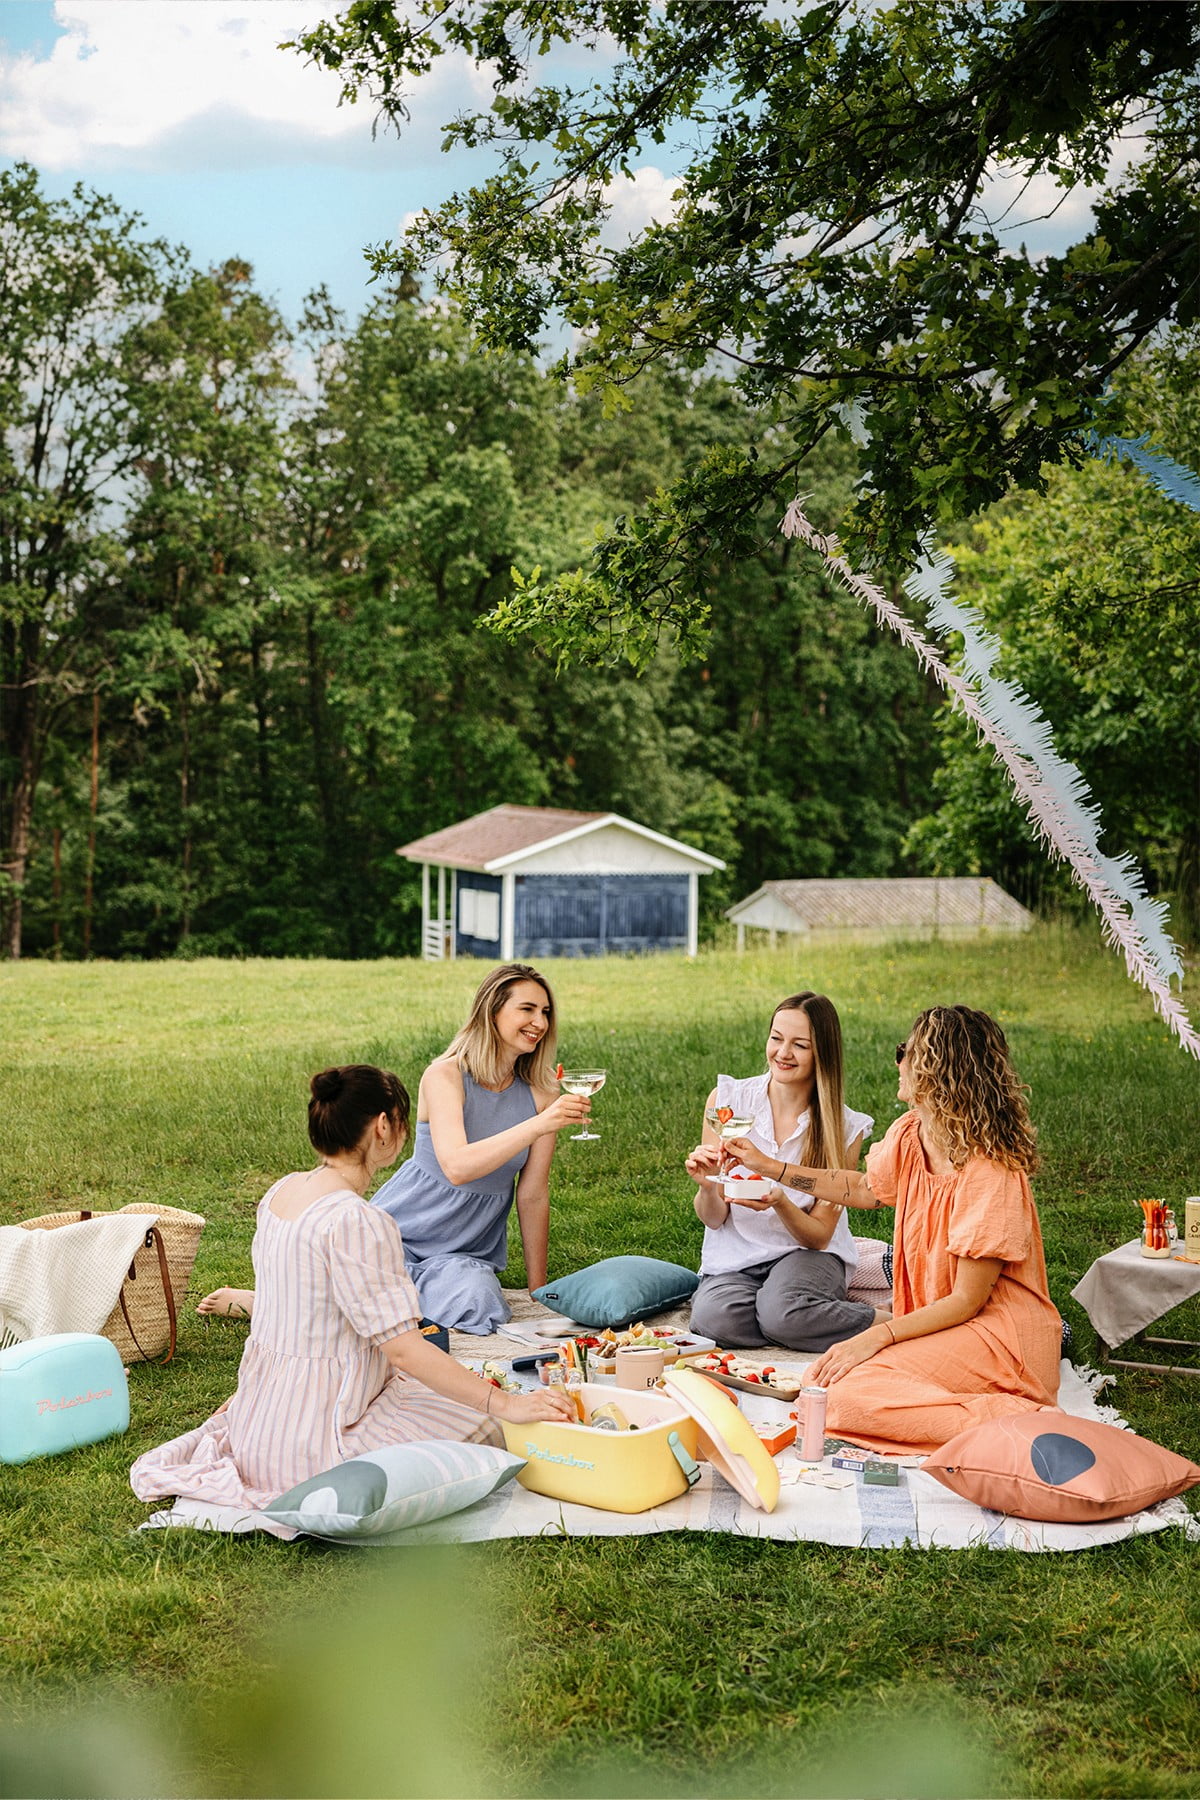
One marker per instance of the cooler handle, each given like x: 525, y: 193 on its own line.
x: 689, y: 1465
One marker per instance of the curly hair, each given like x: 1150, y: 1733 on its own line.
x: 960, y: 1069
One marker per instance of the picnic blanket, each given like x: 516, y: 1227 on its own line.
x: 920, y: 1513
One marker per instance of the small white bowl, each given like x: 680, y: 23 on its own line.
x: 747, y: 1187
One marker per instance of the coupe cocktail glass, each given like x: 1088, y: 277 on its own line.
x: 584, y: 1082
x: 727, y: 1123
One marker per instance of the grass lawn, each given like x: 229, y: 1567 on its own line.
x: 177, y: 1665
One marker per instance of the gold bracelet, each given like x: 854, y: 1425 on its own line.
x: 887, y: 1325
x: 490, y: 1391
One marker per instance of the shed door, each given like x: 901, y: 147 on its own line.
x: 587, y: 915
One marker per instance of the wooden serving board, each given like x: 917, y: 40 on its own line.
x: 769, y: 1390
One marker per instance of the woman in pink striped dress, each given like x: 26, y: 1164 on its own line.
x: 333, y: 1365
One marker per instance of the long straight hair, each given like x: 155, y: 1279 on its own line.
x: 477, y: 1047
x: 825, y: 1142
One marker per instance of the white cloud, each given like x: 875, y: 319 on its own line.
x: 200, y: 83
x: 643, y: 198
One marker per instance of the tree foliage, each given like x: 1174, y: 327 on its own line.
x: 835, y: 237
x: 271, y: 665
x: 1094, y: 591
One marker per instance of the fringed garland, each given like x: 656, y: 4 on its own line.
x: 1052, y: 791
x: 1168, y: 476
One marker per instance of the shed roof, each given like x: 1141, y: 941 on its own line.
x: 501, y: 836
x: 892, y: 903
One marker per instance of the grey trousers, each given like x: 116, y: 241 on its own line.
x: 799, y: 1301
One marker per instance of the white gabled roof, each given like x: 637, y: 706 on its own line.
x: 505, y: 836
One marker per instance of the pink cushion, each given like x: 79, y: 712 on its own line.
x: 1050, y: 1465
x: 867, y: 1280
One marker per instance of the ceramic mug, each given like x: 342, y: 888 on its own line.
x: 639, y: 1368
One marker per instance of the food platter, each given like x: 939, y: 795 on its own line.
x: 602, y: 1346
x: 785, y: 1387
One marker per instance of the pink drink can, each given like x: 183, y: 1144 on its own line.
x: 810, y: 1413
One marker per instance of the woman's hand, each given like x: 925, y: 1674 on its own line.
x: 524, y: 1409
x: 839, y: 1359
x: 772, y: 1202
x: 749, y: 1156
x: 568, y: 1109
x: 704, y: 1163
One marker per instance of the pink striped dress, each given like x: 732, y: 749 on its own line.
x: 314, y: 1387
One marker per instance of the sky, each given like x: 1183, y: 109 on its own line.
x: 187, y: 112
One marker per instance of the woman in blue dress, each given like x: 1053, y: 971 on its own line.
x: 487, y: 1116
x: 488, y: 1112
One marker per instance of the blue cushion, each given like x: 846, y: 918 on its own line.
x: 375, y: 1496
x: 619, y: 1290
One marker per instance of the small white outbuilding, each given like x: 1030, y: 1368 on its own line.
x: 519, y: 882
x: 919, y: 906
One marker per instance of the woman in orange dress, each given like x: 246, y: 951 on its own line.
x: 974, y: 1334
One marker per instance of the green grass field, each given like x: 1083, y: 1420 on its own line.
x: 674, y: 1665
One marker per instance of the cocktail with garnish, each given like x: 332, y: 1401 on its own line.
x: 727, y: 1123
x: 585, y: 1083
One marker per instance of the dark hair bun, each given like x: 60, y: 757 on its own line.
x: 327, y: 1085
x: 344, y: 1102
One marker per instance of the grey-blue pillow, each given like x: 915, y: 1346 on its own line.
x: 619, y: 1290
x: 377, y: 1496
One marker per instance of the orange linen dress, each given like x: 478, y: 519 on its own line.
x: 314, y: 1387
x: 918, y: 1394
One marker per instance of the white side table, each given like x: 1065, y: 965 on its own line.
x: 1125, y: 1291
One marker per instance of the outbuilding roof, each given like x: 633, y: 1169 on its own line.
x: 497, y: 838
x: 949, y: 901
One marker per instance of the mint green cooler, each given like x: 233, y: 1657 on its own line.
x: 59, y: 1392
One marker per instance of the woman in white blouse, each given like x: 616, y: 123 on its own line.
x: 774, y: 1271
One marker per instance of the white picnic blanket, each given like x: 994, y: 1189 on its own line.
x: 919, y: 1513
x: 67, y: 1279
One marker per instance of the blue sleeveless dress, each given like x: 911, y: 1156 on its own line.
x: 456, y: 1238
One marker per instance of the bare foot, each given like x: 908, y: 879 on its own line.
x: 227, y: 1303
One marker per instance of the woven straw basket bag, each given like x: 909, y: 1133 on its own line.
x: 142, y: 1324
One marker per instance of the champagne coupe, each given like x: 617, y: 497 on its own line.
x: 727, y: 1123
x: 584, y: 1082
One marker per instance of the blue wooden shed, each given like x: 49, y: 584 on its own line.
x: 519, y: 882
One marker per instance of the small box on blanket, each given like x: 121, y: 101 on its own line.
x: 59, y: 1392
x: 873, y: 1472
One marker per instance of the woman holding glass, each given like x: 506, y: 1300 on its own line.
x: 974, y: 1334
x: 488, y: 1112
x: 774, y: 1271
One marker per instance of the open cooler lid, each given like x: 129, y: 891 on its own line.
x: 726, y: 1438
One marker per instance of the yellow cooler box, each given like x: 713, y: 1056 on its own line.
x: 630, y: 1471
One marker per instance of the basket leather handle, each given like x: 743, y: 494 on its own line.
x: 154, y: 1236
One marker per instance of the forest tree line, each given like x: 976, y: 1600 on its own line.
x: 246, y: 566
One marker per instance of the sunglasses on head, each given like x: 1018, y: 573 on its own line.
x: 901, y: 1052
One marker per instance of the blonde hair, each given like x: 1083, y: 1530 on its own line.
x: 824, y: 1145
x: 960, y: 1069
x: 477, y: 1048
